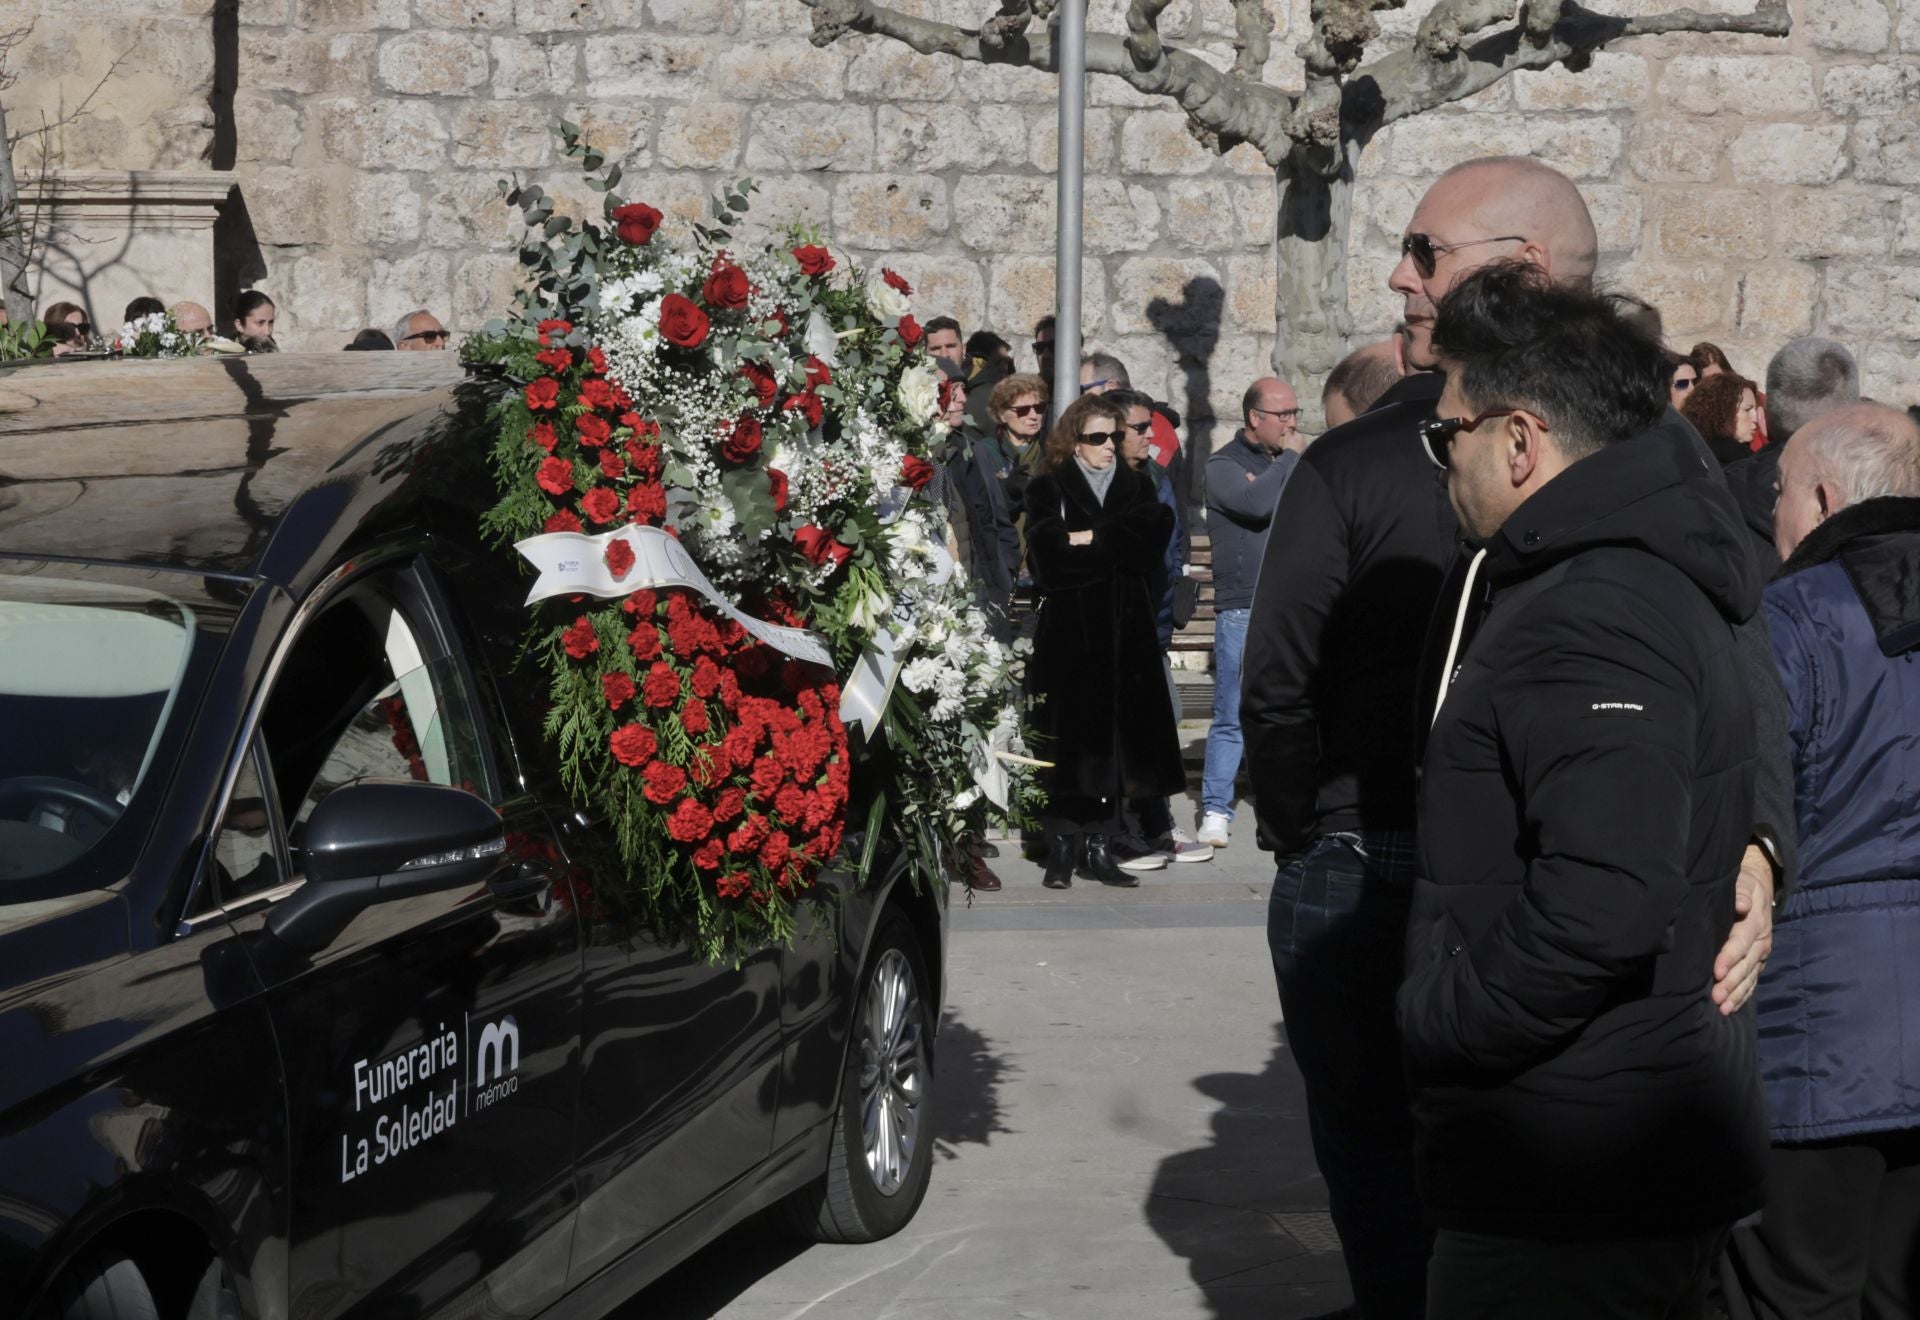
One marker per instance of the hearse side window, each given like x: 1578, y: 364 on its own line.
x: 248, y: 862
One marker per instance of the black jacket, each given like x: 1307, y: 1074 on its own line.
x: 1586, y: 796
x: 1353, y: 565
x: 1105, y: 718
x: 992, y: 549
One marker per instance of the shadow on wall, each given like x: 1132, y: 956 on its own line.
x: 1248, y: 1210
x: 1191, y: 328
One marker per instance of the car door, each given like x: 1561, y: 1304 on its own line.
x: 431, y: 1052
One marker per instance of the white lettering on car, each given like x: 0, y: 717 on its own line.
x: 404, y: 1091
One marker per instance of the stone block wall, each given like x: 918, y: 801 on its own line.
x: 1752, y: 188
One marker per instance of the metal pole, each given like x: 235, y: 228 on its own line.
x: 1071, y: 44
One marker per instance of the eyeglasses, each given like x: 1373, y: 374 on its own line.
x: 1140, y: 428
x: 1101, y: 439
x: 1027, y: 409
x: 1682, y: 386
x: 1284, y: 414
x: 1426, y: 253
x: 1437, y: 434
x: 431, y: 336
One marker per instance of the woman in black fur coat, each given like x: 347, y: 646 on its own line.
x: 1095, y: 533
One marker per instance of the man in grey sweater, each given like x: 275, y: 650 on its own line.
x: 1244, y: 481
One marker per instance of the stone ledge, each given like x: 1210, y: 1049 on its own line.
x: 138, y: 199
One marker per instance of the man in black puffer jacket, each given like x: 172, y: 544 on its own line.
x: 1589, y: 1125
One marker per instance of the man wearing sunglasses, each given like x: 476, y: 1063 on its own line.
x: 420, y: 331
x: 1590, y: 1123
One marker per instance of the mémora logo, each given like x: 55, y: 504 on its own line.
x: 496, y: 1062
x: 413, y: 1095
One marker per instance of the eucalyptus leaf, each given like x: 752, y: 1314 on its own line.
x: 558, y: 225
x: 752, y: 499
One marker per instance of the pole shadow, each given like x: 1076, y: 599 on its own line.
x: 1248, y: 1211
x: 1191, y: 328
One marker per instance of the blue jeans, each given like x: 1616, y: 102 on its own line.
x: 1336, y: 927
x: 1224, y: 743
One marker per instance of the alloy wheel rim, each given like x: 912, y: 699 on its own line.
x: 892, y: 1072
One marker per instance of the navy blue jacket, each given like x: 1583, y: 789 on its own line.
x: 1244, y: 485
x: 1839, y: 1020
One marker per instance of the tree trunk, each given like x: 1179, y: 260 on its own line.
x: 13, y: 236
x: 1312, y: 320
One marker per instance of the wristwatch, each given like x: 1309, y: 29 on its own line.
x: 1769, y: 843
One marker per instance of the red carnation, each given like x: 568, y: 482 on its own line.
x: 693, y: 717
x: 706, y: 677
x: 737, y: 885
x: 818, y: 373
x: 556, y: 476
x: 726, y: 286
x: 544, y: 435
x: 895, y: 280
x: 768, y: 775
x: 915, y: 471
x: 765, y: 388
x: 612, y: 466
x: 643, y: 459
x: 644, y: 642
x: 635, y: 222
x: 790, y: 802
x: 709, y: 854
x: 664, y: 782
x: 751, y: 833
x: 808, y: 404
x: 601, y: 504
x: 681, y: 322
x: 814, y: 260
x: 543, y: 393
x: 597, y: 360
x: 563, y: 520
x: 690, y: 821
x: 554, y: 359
x: 593, y: 429
x: 618, y: 690
x: 554, y: 327
x: 662, y: 685
x: 619, y: 557
x: 641, y: 603
x: 909, y: 331
x: 773, y: 853
x: 632, y: 744
x: 647, y: 502
x: 819, y: 546
x: 596, y: 393
x: 579, y: 638
x: 730, y: 803
x: 743, y: 443
x: 710, y: 768
x: 777, y: 487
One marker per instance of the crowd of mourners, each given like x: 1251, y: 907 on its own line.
x: 70, y: 330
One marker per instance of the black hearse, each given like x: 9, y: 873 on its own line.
x: 305, y: 1006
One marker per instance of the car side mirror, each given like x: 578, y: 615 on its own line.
x: 382, y: 839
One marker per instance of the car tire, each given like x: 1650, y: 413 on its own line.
x: 103, y: 1288
x: 881, y: 1157
x: 214, y: 1298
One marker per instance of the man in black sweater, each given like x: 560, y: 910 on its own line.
x: 1352, y: 572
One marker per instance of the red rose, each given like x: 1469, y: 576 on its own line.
x: 632, y: 744
x: 647, y: 503
x: 744, y: 443
x: 543, y: 435
x: 635, y: 222
x: 681, y: 322
x: 818, y: 545
x: 579, y: 638
x: 601, y: 504
x: 817, y: 374
x: 693, y: 716
x: 894, y: 279
x: 814, y: 260
x: 765, y: 388
x: 708, y: 855
x: 554, y: 359
x: 618, y: 690
x: 556, y: 476
x: 737, y: 885
x: 690, y: 821
x: 662, y: 685
x: 619, y: 557
x: 909, y: 331
x: 726, y: 286
x: 593, y: 429
x: 808, y: 404
x: 554, y: 327
x: 915, y: 471
x: 644, y: 642
x: 543, y: 393
x: 563, y: 520
x: 597, y: 360
x: 777, y: 486
x: 612, y: 466
x: 596, y: 393
x: 664, y: 782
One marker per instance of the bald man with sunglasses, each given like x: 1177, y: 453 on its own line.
x: 1353, y: 569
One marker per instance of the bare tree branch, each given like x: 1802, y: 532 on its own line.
x: 1230, y: 109
x: 1412, y: 81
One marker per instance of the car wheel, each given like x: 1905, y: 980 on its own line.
x: 103, y: 1288
x: 881, y: 1158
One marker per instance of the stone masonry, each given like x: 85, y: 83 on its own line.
x: 1754, y: 189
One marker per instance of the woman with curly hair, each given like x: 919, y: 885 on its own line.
x: 1096, y: 532
x: 1724, y: 409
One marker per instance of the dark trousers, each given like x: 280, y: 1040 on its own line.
x: 1336, y: 926
x: 1477, y: 1277
x: 1838, y: 1237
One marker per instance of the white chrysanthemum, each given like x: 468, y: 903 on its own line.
x: 923, y: 674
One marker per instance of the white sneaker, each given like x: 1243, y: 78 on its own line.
x: 1146, y: 861
x: 1185, y: 848
x: 1213, y: 829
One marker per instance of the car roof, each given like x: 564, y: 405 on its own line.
x: 194, y: 463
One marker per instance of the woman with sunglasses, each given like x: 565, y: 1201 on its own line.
x: 1096, y: 532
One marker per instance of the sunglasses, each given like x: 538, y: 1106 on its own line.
x: 431, y: 336
x: 1101, y: 439
x: 1027, y: 409
x: 1426, y: 253
x: 1437, y: 434
x: 1683, y: 386
x: 1140, y: 428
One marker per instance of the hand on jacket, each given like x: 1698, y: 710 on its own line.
x: 1737, y: 970
x: 1080, y: 538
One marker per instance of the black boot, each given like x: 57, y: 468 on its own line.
x: 1097, y: 859
x: 1060, y: 851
